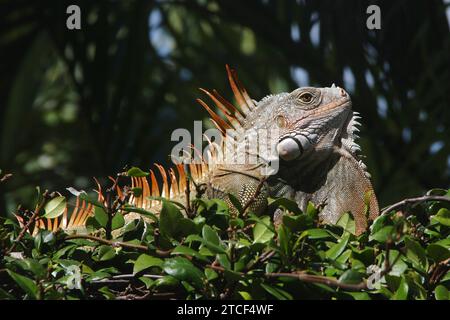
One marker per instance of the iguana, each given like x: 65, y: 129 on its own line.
x: 315, y: 142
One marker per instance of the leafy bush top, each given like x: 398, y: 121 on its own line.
x: 213, y: 255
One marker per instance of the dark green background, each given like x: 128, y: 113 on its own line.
x: 77, y: 104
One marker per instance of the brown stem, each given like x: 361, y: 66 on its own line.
x: 439, y: 271
x: 110, y: 214
x: 188, y: 190
x: 320, y: 279
x: 309, y: 278
x: 161, y: 253
x: 417, y: 200
x: 148, y: 295
x: 5, y: 177
x: 263, y: 257
x: 32, y: 219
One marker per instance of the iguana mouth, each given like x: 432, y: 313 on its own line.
x: 328, y: 108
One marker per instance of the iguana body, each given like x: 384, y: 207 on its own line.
x: 316, y: 148
x: 319, y: 161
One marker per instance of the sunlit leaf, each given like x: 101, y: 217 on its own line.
x: 136, y: 172
x: 55, y: 207
x: 145, y: 261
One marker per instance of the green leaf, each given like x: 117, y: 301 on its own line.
x: 186, y: 227
x: 136, y: 172
x: 277, y: 292
x: 144, y: 261
x: 297, y: 223
x: 446, y: 277
x: 315, y: 234
x: 402, y: 291
x: 239, y: 223
x: 379, y: 223
x: 44, y: 237
x: 382, y: 235
x: 392, y: 281
x: 182, y: 269
x: 437, y: 252
x: 6, y: 296
x: 236, y: 203
x: 415, y: 252
x: 366, y: 255
x: 311, y: 210
x: 338, y: 248
x: 224, y: 261
x: 107, y: 293
x: 211, y: 240
x: 360, y: 295
x: 131, y: 208
x: 147, y: 281
x: 178, y: 204
x: 344, y: 256
x: 400, y: 266
x: 286, y: 204
x: 437, y: 192
x: 245, y: 295
x: 347, y: 223
x: 118, y: 221
x: 166, y: 283
x: 261, y: 232
x: 211, y: 274
x: 105, y: 253
x: 33, y: 266
x: 441, y: 293
x: 137, y: 192
x: 55, y: 207
x: 271, y: 267
x: 209, y: 234
x: 189, y: 252
x: 26, y: 284
x: 351, y: 277
x: 218, y: 206
x: 444, y: 242
x: 284, y: 237
x: 169, y: 219
x: 193, y: 238
x: 100, y: 216
x: 96, y: 203
x: 443, y: 217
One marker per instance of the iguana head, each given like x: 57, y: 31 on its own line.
x: 308, y: 119
x: 306, y: 124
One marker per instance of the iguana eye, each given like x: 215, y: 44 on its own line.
x: 306, y: 97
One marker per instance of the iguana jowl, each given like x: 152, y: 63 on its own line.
x: 315, y: 143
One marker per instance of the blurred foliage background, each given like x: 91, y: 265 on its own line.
x: 83, y: 103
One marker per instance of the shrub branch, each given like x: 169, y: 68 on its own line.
x: 414, y: 201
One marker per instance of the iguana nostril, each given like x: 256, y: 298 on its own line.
x: 343, y: 93
x: 288, y: 149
